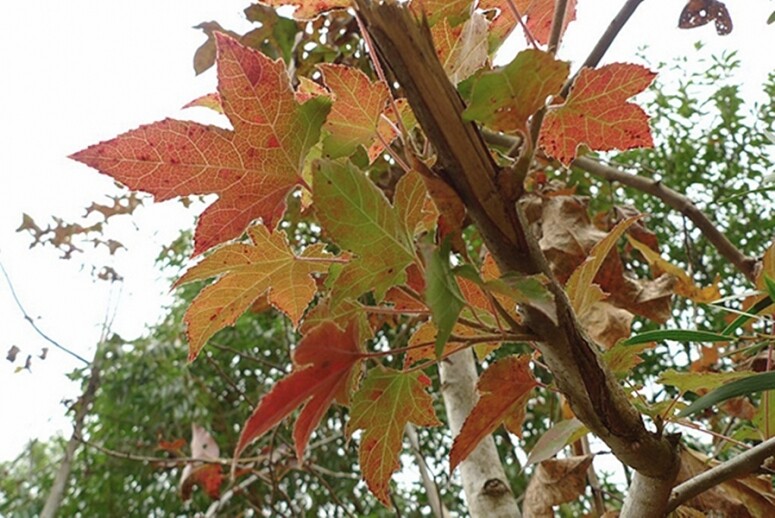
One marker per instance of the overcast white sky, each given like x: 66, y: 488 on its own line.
x: 78, y: 72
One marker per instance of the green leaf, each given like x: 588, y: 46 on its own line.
x: 386, y: 401
x: 555, y: 439
x: 769, y: 284
x: 505, y: 98
x: 442, y: 294
x: 678, y: 335
x: 756, y: 383
x: 698, y: 381
x: 355, y: 213
x: 530, y: 290
x: 771, y: 19
x: 743, y: 319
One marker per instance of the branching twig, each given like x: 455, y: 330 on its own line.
x: 229, y: 381
x: 29, y: 319
x: 670, y: 197
x: 248, y: 357
x: 676, y: 201
x: 745, y: 463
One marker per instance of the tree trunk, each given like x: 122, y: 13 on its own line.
x: 57, y: 493
x: 486, y: 487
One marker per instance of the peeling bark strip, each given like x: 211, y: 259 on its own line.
x: 465, y: 164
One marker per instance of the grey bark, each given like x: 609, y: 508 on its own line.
x: 486, y: 487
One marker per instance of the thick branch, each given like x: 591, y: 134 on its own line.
x: 745, y: 463
x: 464, y: 162
x: 679, y: 202
x: 431, y: 488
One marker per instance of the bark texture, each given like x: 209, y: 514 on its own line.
x: 487, y: 489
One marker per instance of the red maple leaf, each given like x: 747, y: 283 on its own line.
x: 538, y: 16
x: 324, y: 365
x: 252, y: 168
x: 597, y: 113
x: 503, y: 388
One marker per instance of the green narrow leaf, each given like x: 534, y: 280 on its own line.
x: 678, y: 335
x: 770, y: 285
x: 743, y: 319
x: 771, y: 19
x: 442, y: 294
x: 756, y: 383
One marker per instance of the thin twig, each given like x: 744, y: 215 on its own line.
x: 245, y: 356
x: 29, y: 319
x: 745, y: 463
x: 676, y: 201
x: 526, y: 158
x: 605, y: 41
x: 169, y: 462
x: 228, y: 379
x: 529, y: 35
x: 330, y: 490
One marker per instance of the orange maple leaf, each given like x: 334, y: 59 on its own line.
x: 245, y: 272
x: 387, y: 400
x: 597, y: 113
x: 252, y: 169
x: 454, y: 11
x: 356, y: 111
x: 324, y: 366
x: 504, y: 389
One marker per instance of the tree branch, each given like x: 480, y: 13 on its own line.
x: 672, y: 198
x: 465, y: 164
x: 560, y: 6
x: 745, y: 463
x: 428, y: 481
x: 676, y: 201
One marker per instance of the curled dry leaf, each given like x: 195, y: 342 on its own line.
x: 555, y: 482
x: 699, y: 12
x: 567, y: 235
x: 208, y: 476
